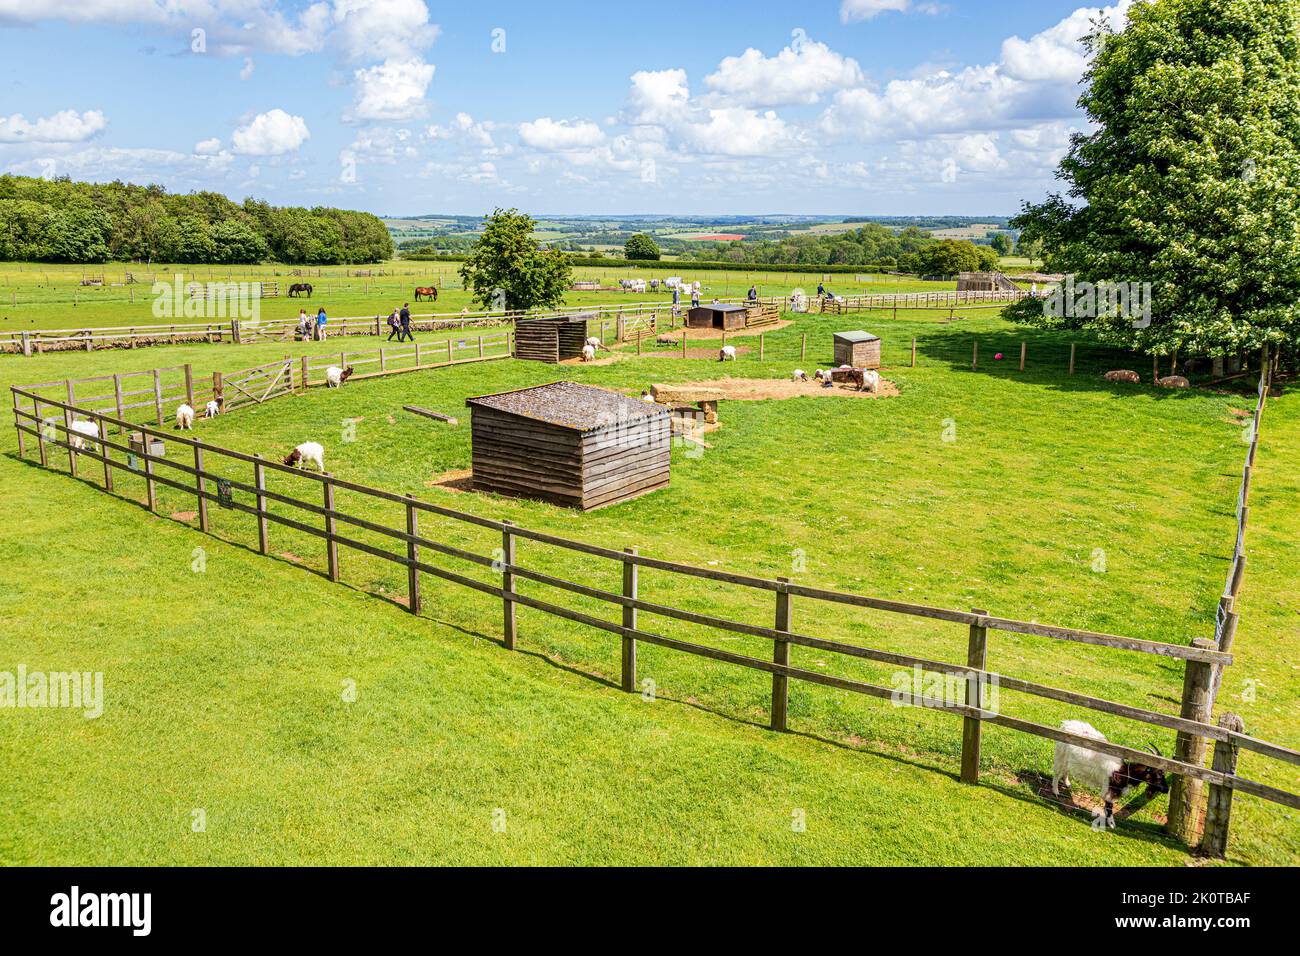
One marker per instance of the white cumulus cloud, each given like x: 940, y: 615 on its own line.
x: 546, y: 133
x: 270, y: 134
x: 65, y: 126
x: 393, y: 90
x: 800, y: 73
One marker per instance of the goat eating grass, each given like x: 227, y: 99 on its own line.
x: 1110, y: 777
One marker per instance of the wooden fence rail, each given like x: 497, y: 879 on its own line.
x: 410, y: 543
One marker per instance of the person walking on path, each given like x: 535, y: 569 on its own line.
x: 405, y: 318
x: 394, y: 327
x: 320, y: 324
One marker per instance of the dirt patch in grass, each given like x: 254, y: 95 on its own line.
x: 185, y: 515
x: 711, y: 353
x: 458, y: 479
x: 758, y: 389
x: 717, y: 333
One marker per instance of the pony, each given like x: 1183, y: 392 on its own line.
x: 426, y: 292
x: 298, y: 288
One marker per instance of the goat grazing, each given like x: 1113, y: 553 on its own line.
x: 212, y: 409
x: 81, y: 427
x: 589, y: 353
x: 799, y: 375
x: 308, y: 451
x: 596, y: 343
x: 1109, y: 776
x: 335, y: 376
x: 184, y: 416
x: 727, y: 352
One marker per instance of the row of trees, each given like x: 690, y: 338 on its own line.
x: 61, y: 220
x: 871, y: 244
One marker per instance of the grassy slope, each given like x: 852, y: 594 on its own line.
x: 412, y: 771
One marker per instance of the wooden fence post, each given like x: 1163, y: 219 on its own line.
x: 304, y: 373
x: 200, y: 487
x: 104, y: 450
x: 976, y: 658
x: 18, y: 426
x: 1185, y: 794
x: 218, y: 390
x: 189, y: 385
x: 157, y: 396
x: 67, y: 425
x: 914, y: 351
x: 1024, y: 348
x: 450, y: 355
x: 259, y: 482
x: 412, y: 556
x: 683, y: 341
x: 40, y: 431
x: 509, y: 631
x: 1072, y: 348
x: 975, y: 355
x: 781, y: 655
x: 331, y: 546
x: 1218, y: 806
x: 151, y: 492
x: 629, y: 620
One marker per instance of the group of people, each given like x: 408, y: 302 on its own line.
x: 399, y: 324
x: 311, y: 327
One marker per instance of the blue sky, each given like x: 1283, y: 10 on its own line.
x: 407, y: 106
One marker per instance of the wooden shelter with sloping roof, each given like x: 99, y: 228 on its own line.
x: 569, y: 444
x: 717, y: 316
x: 552, y: 338
x: 859, y: 349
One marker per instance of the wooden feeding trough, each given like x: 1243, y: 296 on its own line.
x: 717, y: 316
x: 689, y: 405
x: 551, y: 339
x: 859, y: 349
x: 569, y: 444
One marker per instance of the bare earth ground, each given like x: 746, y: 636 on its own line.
x: 757, y: 389
x: 717, y: 333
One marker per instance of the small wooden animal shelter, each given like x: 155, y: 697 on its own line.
x: 569, y: 444
x: 717, y: 316
x: 859, y: 349
x: 553, y: 338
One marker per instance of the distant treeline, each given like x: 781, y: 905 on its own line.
x: 683, y: 265
x: 60, y: 220
x: 873, y: 243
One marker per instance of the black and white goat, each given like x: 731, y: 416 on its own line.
x: 1110, y: 777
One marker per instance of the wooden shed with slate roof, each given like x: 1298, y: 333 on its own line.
x: 859, y: 349
x: 569, y: 444
x: 717, y: 316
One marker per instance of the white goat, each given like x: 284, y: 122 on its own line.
x: 184, y: 416
x: 82, y: 427
x: 596, y: 343
x: 1110, y: 777
x: 799, y: 375
x: 871, y: 381
x: 588, y: 353
x: 335, y: 376
x: 308, y: 451
x: 212, y: 409
x: 647, y: 397
x: 727, y: 352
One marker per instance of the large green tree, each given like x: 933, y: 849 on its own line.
x: 1190, y: 180
x: 508, y: 269
x: 640, y: 246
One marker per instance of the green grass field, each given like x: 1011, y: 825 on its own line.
x: 224, y: 690
x: 44, y: 296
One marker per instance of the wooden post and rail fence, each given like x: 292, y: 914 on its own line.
x: 411, y: 544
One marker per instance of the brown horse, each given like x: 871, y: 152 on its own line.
x: 424, y: 292
x: 299, y: 287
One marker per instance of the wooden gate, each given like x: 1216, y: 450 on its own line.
x: 253, y: 386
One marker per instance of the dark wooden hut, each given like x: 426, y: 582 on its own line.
x: 717, y: 316
x: 553, y: 338
x: 859, y: 349
x: 569, y: 444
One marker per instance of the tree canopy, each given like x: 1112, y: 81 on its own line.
x: 640, y: 246
x: 508, y: 268
x: 947, y: 257
x: 64, y: 221
x: 1190, y: 182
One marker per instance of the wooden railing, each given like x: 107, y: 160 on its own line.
x: 321, y: 519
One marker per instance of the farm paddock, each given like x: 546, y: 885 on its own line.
x: 777, y: 477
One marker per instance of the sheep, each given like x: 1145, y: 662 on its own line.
x: 184, y: 416
x: 799, y: 375
x: 588, y: 353
x: 212, y: 409
x: 1173, y: 381
x: 335, y: 376
x: 1109, y: 776
x: 308, y: 451
x: 82, y: 427
x: 1123, y: 375
x: 727, y: 352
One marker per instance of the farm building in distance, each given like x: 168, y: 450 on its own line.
x: 717, y: 316
x: 985, y: 282
x: 552, y: 339
x: 859, y: 349
x: 569, y: 444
